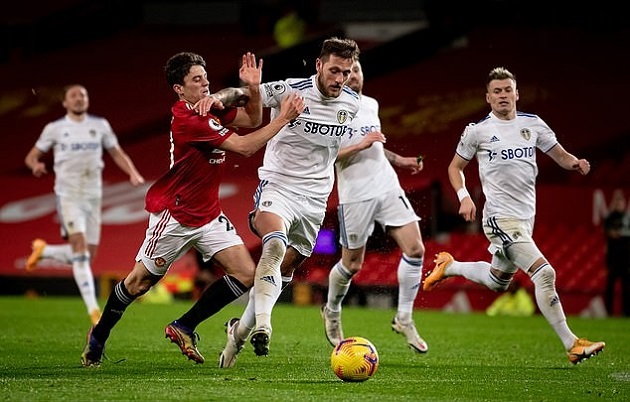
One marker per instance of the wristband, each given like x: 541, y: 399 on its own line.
x: 462, y: 193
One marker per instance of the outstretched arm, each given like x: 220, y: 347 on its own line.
x: 123, y: 161
x: 569, y: 161
x: 247, y: 98
x: 368, y: 140
x: 246, y: 145
x: 413, y: 163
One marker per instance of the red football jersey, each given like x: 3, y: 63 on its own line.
x: 190, y: 189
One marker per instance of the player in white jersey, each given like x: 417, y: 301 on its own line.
x: 505, y: 145
x: 77, y: 141
x: 295, y: 181
x: 369, y: 192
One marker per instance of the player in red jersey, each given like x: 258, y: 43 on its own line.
x: 184, y: 204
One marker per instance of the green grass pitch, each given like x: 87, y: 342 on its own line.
x: 472, y: 357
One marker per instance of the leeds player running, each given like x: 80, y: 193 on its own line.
x: 77, y: 141
x: 369, y: 191
x: 505, y: 145
x: 295, y: 181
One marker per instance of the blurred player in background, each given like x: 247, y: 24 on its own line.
x: 296, y: 179
x: 369, y: 192
x: 505, y: 144
x: 617, y: 231
x: 77, y: 141
x: 184, y: 203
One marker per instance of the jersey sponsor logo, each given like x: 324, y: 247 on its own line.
x: 517, y: 153
x: 329, y: 130
x: 342, y: 116
x: 82, y: 146
x: 216, y: 161
x: 363, y: 130
x: 525, y: 133
x: 218, y: 157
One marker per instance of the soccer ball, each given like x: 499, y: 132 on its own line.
x: 354, y: 359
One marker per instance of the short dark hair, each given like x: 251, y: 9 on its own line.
x: 66, y: 88
x: 500, y: 73
x: 344, y: 48
x: 178, y: 66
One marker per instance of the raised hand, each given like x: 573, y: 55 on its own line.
x: 250, y: 73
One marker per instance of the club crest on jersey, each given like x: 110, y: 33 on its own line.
x: 160, y: 262
x: 93, y: 133
x: 342, y: 116
x: 525, y: 133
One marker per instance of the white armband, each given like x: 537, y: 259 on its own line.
x: 462, y: 193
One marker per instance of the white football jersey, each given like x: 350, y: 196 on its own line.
x: 366, y: 174
x: 302, y: 155
x: 506, y: 154
x: 78, y: 154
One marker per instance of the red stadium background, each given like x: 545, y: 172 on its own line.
x: 566, y: 75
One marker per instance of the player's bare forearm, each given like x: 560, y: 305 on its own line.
x: 232, y: 96
x: 32, y: 161
x: 569, y: 161
x: 253, y: 106
x: 123, y: 161
x: 415, y: 164
x: 369, y: 139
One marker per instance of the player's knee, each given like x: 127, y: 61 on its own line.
x: 545, y: 275
x: 414, y: 250
x: 137, y: 289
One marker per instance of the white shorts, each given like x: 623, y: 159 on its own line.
x: 511, y: 243
x: 166, y: 240
x: 356, y: 219
x: 79, y: 215
x: 302, y: 215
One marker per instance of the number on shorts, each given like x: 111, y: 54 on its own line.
x: 228, y: 224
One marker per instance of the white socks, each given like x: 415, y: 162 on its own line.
x: 478, y: 272
x: 59, y: 252
x: 268, y: 280
x: 84, y: 279
x: 409, y: 277
x: 549, y: 303
x: 339, y: 281
x: 247, y: 321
